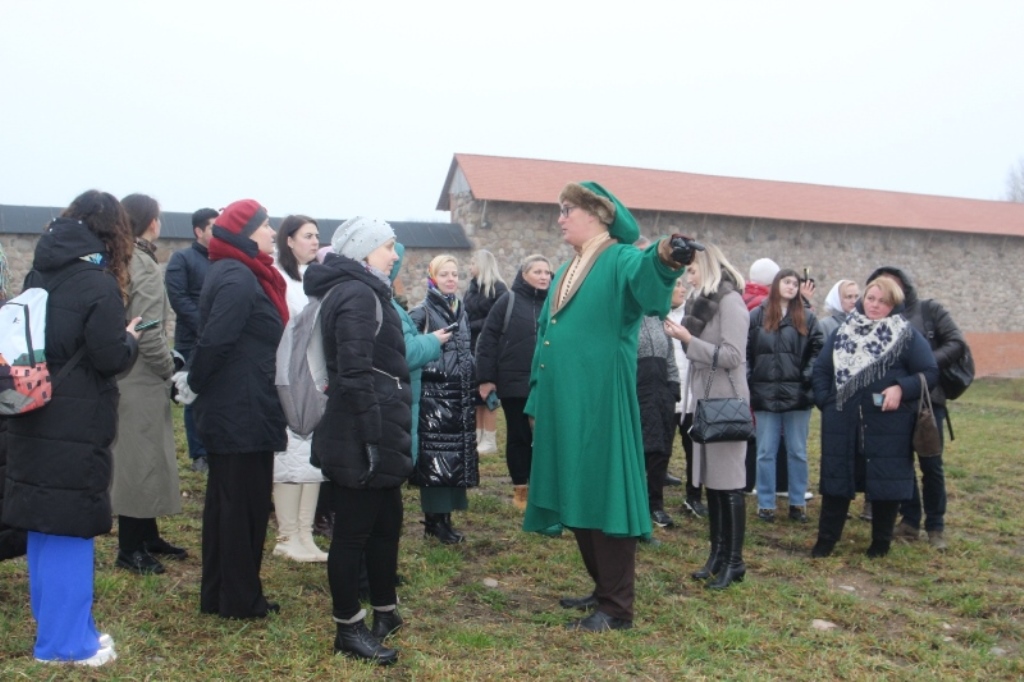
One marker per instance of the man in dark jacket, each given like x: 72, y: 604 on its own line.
x: 184, y: 280
x: 934, y: 322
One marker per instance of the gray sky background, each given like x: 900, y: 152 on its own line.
x: 342, y: 108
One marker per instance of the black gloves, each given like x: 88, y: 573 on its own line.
x: 372, y: 460
x: 684, y: 249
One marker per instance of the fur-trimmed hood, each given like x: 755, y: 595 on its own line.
x: 909, y: 290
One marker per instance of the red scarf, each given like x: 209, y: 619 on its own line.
x: 261, y: 265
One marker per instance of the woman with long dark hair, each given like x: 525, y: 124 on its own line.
x: 242, y: 313
x: 783, y: 342
x: 145, y: 463
x: 59, y: 461
x: 296, y: 481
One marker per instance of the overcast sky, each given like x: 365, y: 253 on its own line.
x: 342, y: 108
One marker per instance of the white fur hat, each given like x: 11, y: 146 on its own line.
x: 763, y: 271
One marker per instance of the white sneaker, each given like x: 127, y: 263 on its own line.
x: 102, y: 657
x: 782, y: 494
x: 808, y: 495
x: 106, y: 641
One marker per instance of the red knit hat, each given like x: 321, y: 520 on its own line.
x: 242, y: 217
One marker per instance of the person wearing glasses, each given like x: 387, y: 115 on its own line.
x: 588, y: 470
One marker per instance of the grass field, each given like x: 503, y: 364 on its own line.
x: 487, y: 610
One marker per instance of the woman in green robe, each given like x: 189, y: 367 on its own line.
x: 588, y: 467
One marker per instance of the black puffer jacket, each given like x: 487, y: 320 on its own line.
x: 368, y: 395
x: 929, y: 317
x: 447, y: 429
x: 12, y: 540
x: 184, y: 277
x: 779, y: 363
x: 505, y: 358
x: 232, y: 366
x: 58, y: 457
x: 478, y: 306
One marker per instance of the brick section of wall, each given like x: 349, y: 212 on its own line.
x: 997, y: 354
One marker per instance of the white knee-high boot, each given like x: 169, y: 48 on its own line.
x: 287, y: 497
x: 307, y: 513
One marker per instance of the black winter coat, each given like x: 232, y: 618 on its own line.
x: 505, y: 359
x: 58, y: 457
x: 447, y: 455
x: 478, y: 306
x: 368, y: 393
x: 12, y: 540
x: 184, y: 277
x: 862, y: 448
x: 232, y: 366
x: 929, y: 317
x: 779, y: 363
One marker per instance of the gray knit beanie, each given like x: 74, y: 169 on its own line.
x: 357, y: 237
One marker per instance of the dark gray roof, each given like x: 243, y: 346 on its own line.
x: 174, y: 225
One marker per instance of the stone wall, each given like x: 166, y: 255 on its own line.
x: 946, y: 266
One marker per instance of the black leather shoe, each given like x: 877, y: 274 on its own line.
x: 355, y: 641
x: 599, y: 621
x: 164, y: 548
x: 672, y: 480
x: 822, y: 549
x: 581, y: 603
x: 386, y: 623
x: 139, y: 561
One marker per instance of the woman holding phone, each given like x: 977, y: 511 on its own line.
x: 145, y: 463
x: 447, y: 459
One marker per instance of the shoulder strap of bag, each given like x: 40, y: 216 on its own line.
x: 714, y: 368
x: 926, y: 396
x: 508, y: 311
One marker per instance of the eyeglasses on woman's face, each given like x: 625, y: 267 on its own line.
x: 565, y: 209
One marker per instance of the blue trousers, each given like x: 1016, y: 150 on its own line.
x: 770, y: 427
x: 932, y: 489
x: 60, y: 574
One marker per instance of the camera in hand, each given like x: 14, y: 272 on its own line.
x: 684, y: 249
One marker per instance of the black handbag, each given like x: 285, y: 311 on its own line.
x: 927, y: 440
x: 720, y: 420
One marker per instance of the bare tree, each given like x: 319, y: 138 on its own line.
x: 1015, y: 182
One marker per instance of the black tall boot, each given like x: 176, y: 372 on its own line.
x: 354, y: 640
x: 451, y: 529
x: 716, y: 557
x: 734, y: 526
x: 434, y: 526
x: 883, y: 517
x: 830, y: 524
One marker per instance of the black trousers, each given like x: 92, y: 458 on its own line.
x: 692, y: 491
x: 134, y: 533
x: 235, y: 520
x: 833, y: 519
x: 366, y: 522
x: 656, y: 464
x: 611, y: 563
x: 518, y: 440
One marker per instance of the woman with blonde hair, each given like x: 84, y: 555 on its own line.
x: 446, y: 460
x: 485, y: 287
x: 714, y: 335
x: 504, y: 359
x: 867, y: 380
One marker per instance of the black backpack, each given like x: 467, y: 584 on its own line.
x: 956, y: 378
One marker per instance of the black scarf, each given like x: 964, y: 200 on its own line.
x: 701, y: 309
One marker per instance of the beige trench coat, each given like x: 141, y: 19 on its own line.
x: 721, y: 466
x: 146, y: 481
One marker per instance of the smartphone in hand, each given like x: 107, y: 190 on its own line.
x: 143, y: 326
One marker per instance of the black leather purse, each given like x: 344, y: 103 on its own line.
x: 721, y: 420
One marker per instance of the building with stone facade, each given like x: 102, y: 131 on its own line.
x: 966, y: 253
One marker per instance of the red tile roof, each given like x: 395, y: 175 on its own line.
x: 532, y: 181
